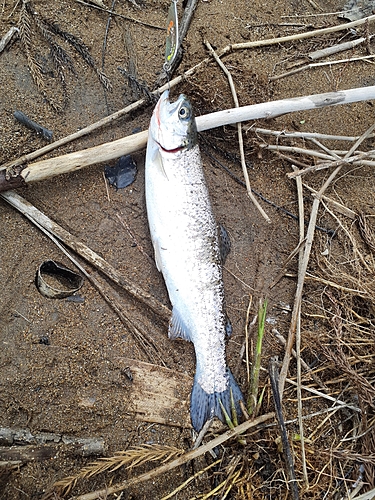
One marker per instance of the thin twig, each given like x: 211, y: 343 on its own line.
x: 239, y: 131
x: 298, y: 331
x: 304, y: 135
x: 352, y: 160
x: 298, y: 150
x: 274, y: 379
x: 337, y: 401
x: 290, y: 257
x: 290, y: 38
x: 320, y: 64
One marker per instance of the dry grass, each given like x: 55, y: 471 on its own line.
x: 50, y: 33
x: 133, y: 457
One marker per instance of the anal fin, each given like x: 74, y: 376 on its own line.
x: 177, y: 328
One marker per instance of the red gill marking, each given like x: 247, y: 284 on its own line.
x: 174, y: 150
x: 157, y: 115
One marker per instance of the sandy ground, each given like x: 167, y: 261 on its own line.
x: 63, y: 363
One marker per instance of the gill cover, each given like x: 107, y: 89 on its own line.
x: 173, y: 124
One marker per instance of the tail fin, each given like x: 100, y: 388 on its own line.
x: 204, y: 405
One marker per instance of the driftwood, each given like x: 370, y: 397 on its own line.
x: 37, y: 453
x: 155, y: 390
x: 22, y: 445
x: 16, y: 177
x: 28, y: 453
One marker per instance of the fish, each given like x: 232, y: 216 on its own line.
x: 186, y: 242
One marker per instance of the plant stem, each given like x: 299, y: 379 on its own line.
x: 254, y: 380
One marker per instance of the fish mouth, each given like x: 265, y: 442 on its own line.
x: 170, y: 151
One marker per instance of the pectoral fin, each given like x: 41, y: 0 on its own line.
x: 158, y: 162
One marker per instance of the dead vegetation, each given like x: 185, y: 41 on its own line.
x: 32, y: 22
x: 328, y: 394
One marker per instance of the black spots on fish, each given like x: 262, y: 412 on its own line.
x: 177, y: 327
x: 204, y: 405
x: 224, y: 243
x: 192, y: 135
x: 123, y: 173
x: 186, y: 115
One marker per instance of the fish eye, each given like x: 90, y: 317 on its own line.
x: 184, y: 113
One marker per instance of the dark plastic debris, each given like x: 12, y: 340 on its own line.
x: 44, y: 339
x: 123, y: 173
x: 77, y: 299
x: 39, y: 129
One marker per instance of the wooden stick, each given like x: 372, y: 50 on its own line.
x: 305, y: 135
x: 16, y: 177
x: 239, y: 132
x: 301, y: 218
x: 178, y: 461
x: 300, y: 36
x: 276, y: 108
x: 320, y: 64
x: 334, y: 49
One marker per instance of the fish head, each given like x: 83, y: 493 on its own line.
x: 173, y: 125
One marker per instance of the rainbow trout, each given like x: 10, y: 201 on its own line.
x: 186, y: 243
